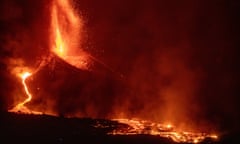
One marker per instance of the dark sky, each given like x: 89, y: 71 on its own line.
x: 179, y: 58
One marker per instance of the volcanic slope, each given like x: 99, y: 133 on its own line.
x: 59, y: 88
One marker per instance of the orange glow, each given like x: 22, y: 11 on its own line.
x: 65, y: 42
x: 59, y: 50
x: 24, y: 77
x: 214, y: 136
x: 169, y: 126
x: 65, y: 31
x: 21, y: 106
x: 137, y: 126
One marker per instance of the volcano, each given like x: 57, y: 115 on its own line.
x: 72, y: 90
x: 62, y: 89
x: 179, y: 65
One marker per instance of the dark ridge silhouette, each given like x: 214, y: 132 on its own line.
x: 46, y: 129
x: 66, y: 90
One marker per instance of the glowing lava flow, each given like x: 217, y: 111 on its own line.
x: 136, y: 126
x: 64, y: 42
x: 21, y: 106
x: 65, y: 35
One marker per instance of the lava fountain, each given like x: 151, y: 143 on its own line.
x: 65, y: 34
x: 66, y: 28
x: 65, y: 38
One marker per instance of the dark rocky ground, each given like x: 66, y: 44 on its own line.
x: 44, y: 129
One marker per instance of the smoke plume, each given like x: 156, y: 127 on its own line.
x: 166, y: 61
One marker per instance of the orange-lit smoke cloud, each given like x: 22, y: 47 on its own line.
x: 173, y: 60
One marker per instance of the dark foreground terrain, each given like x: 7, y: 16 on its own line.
x: 20, y: 128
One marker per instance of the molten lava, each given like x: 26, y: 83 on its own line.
x: 21, y: 106
x: 66, y: 27
x: 65, y: 34
x: 137, y: 126
x: 64, y: 42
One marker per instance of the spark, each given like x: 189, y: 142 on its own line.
x: 66, y: 27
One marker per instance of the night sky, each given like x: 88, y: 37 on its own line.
x: 163, y: 59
